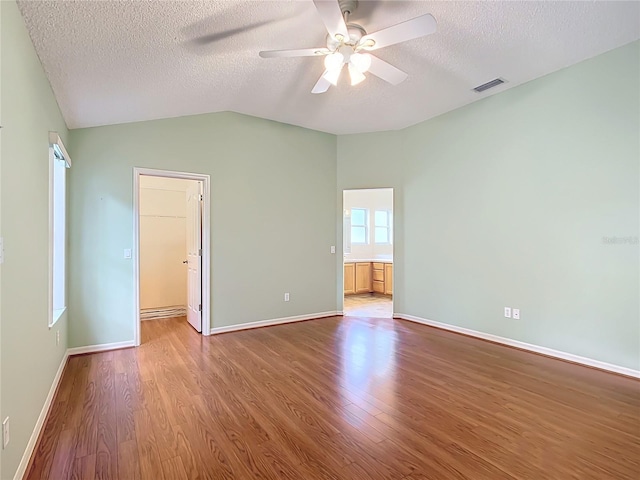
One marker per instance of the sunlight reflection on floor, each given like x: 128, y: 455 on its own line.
x: 369, y: 358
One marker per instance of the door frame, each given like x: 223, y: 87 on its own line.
x: 393, y: 244
x: 206, y: 242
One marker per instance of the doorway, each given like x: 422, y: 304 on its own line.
x: 171, y: 248
x: 368, y: 252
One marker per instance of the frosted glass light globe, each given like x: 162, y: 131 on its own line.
x: 333, y: 61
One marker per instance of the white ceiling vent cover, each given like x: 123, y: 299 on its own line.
x: 488, y: 85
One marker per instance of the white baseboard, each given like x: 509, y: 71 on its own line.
x: 100, y: 348
x: 275, y: 321
x: 524, y: 346
x: 31, y: 445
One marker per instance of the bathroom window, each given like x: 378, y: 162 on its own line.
x: 382, y: 227
x: 359, y: 226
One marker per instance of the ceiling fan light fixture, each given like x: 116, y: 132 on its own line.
x: 333, y: 61
x: 346, y: 40
x: 356, y: 75
x: 361, y: 61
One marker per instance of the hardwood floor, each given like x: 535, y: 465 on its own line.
x: 335, y: 398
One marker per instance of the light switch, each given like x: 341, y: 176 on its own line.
x: 5, y: 432
x: 127, y: 253
x: 333, y: 249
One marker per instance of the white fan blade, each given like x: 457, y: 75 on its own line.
x: 414, y: 28
x: 304, y: 52
x: 322, y: 85
x: 386, y: 71
x: 356, y: 75
x: 332, y: 18
x: 333, y: 75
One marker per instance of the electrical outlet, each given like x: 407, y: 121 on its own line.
x: 286, y: 297
x: 507, y: 312
x: 516, y: 313
x: 5, y: 432
x: 57, y: 337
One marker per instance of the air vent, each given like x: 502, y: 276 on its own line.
x: 488, y: 85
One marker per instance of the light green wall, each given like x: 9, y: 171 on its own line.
x: 29, y: 355
x: 373, y: 160
x: 272, y: 215
x: 505, y: 202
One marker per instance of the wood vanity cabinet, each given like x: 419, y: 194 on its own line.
x: 349, y: 278
x: 367, y: 277
x: 378, y: 277
x: 388, y: 278
x: 363, y: 277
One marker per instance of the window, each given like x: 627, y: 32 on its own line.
x: 382, y: 226
x: 359, y: 226
x: 59, y: 161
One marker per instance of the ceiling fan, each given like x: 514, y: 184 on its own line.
x: 349, y: 44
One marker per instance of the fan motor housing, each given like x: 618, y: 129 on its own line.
x: 356, y: 32
x: 348, y: 6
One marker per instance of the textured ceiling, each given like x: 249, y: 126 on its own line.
x: 115, y: 62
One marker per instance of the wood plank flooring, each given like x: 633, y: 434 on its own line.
x: 336, y: 398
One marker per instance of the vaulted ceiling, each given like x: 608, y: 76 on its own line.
x: 114, y: 62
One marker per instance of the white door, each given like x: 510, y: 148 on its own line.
x: 194, y: 255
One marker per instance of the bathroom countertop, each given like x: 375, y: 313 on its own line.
x: 365, y: 260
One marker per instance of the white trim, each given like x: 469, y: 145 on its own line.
x: 344, y: 233
x: 52, y: 321
x: 44, y: 412
x: 37, y: 429
x: 103, y: 347
x: 56, y: 314
x: 54, y: 139
x: 274, y: 321
x: 206, y: 243
x: 524, y: 346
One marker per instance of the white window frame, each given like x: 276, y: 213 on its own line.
x: 366, y: 226
x: 58, y: 156
x: 387, y: 226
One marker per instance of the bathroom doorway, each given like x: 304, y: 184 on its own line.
x: 368, y: 252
